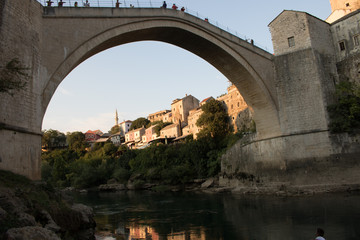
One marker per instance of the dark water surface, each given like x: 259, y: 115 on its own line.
x: 188, y: 215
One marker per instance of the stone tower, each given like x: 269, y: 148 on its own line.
x: 340, y: 8
x: 351, y: 5
x: 116, y: 118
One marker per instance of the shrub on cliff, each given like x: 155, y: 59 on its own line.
x: 345, y: 113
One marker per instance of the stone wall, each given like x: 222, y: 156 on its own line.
x: 20, y: 131
x: 345, y: 31
x: 303, y: 84
x: 349, y: 69
x: 295, y: 160
x: 307, y: 32
x: 344, y: 4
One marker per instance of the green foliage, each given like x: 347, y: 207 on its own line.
x: 122, y: 175
x: 109, y: 149
x: 13, y: 76
x: 76, y: 141
x: 53, y: 139
x: 345, y: 113
x: 163, y: 164
x: 214, y: 121
x: 138, y: 123
x: 114, y: 129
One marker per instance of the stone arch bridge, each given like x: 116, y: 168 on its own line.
x: 52, y: 41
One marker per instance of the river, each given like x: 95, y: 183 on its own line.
x: 198, y: 216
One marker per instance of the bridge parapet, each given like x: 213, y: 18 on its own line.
x: 153, y: 5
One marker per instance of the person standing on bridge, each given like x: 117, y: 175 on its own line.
x: 75, y: 4
x: 183, y: 9
x: 164, y: 5
x: 61, y: 3
x: 87, y: 4
x: 174, y: 6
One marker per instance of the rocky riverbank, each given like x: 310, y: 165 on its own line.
x: 236, y: 186
x: 35, y: 211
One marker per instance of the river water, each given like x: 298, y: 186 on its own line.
x: 198, y: 216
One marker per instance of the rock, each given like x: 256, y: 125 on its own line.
x: 25, y: 219
x: 112, y: 187
x: 3, y: 214
x: 10, y: 202
x: 130, y: 186
x: 30, y: 233
x: 200, y: 180
x: 208, y: 183
x: 86, y: 215
x: 112, y: 181
x: 51, y: 224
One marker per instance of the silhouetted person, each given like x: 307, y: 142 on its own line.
x: 87, y: 4
x: 75, y: 4
x: 182, y: 9
x: 164, y: 5
x: 174, y: 7
x: 320, y: 234
x: 61, y: 3
x: 49, y: 3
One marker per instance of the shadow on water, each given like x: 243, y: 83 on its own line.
x: 185, y: 215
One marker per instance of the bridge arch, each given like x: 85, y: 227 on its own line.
x: 223, y: 54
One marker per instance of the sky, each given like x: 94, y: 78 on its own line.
x: 140, y: 78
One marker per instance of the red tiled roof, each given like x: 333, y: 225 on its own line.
x: 206, y: 99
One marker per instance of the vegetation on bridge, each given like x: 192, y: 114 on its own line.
x: 13, y: 77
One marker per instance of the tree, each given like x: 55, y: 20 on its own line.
x: 138, y: 123
x: 159, y: 125
x: 214, y: 121
x: 53, y: 139
x: 76, y: 141
x: 13, y: 76
x: 114, y: 129
x: 345, y: 113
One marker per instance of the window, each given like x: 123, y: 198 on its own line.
x: 291, y: 41
x: 342, y: 46
x: 347, y: 4
x: 356, y: 39
x: 238, y: 104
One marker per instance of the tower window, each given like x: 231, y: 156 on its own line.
x: 356, y: 40
x: 291, y: 41
x: 347, y: 4
x: 342, y: 46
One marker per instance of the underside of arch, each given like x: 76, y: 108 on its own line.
x: 192, y: 38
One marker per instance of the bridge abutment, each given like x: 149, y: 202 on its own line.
x: 20, y: 118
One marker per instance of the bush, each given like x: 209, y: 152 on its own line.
x: 122, y: 175
x: 345, y: 113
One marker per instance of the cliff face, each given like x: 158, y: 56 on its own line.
x: 35, y: 211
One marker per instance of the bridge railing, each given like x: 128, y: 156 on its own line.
x: 147, y: 4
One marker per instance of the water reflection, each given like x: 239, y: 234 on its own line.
x: 193, y: 216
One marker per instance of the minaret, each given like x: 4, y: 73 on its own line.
x: 116, y: 118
